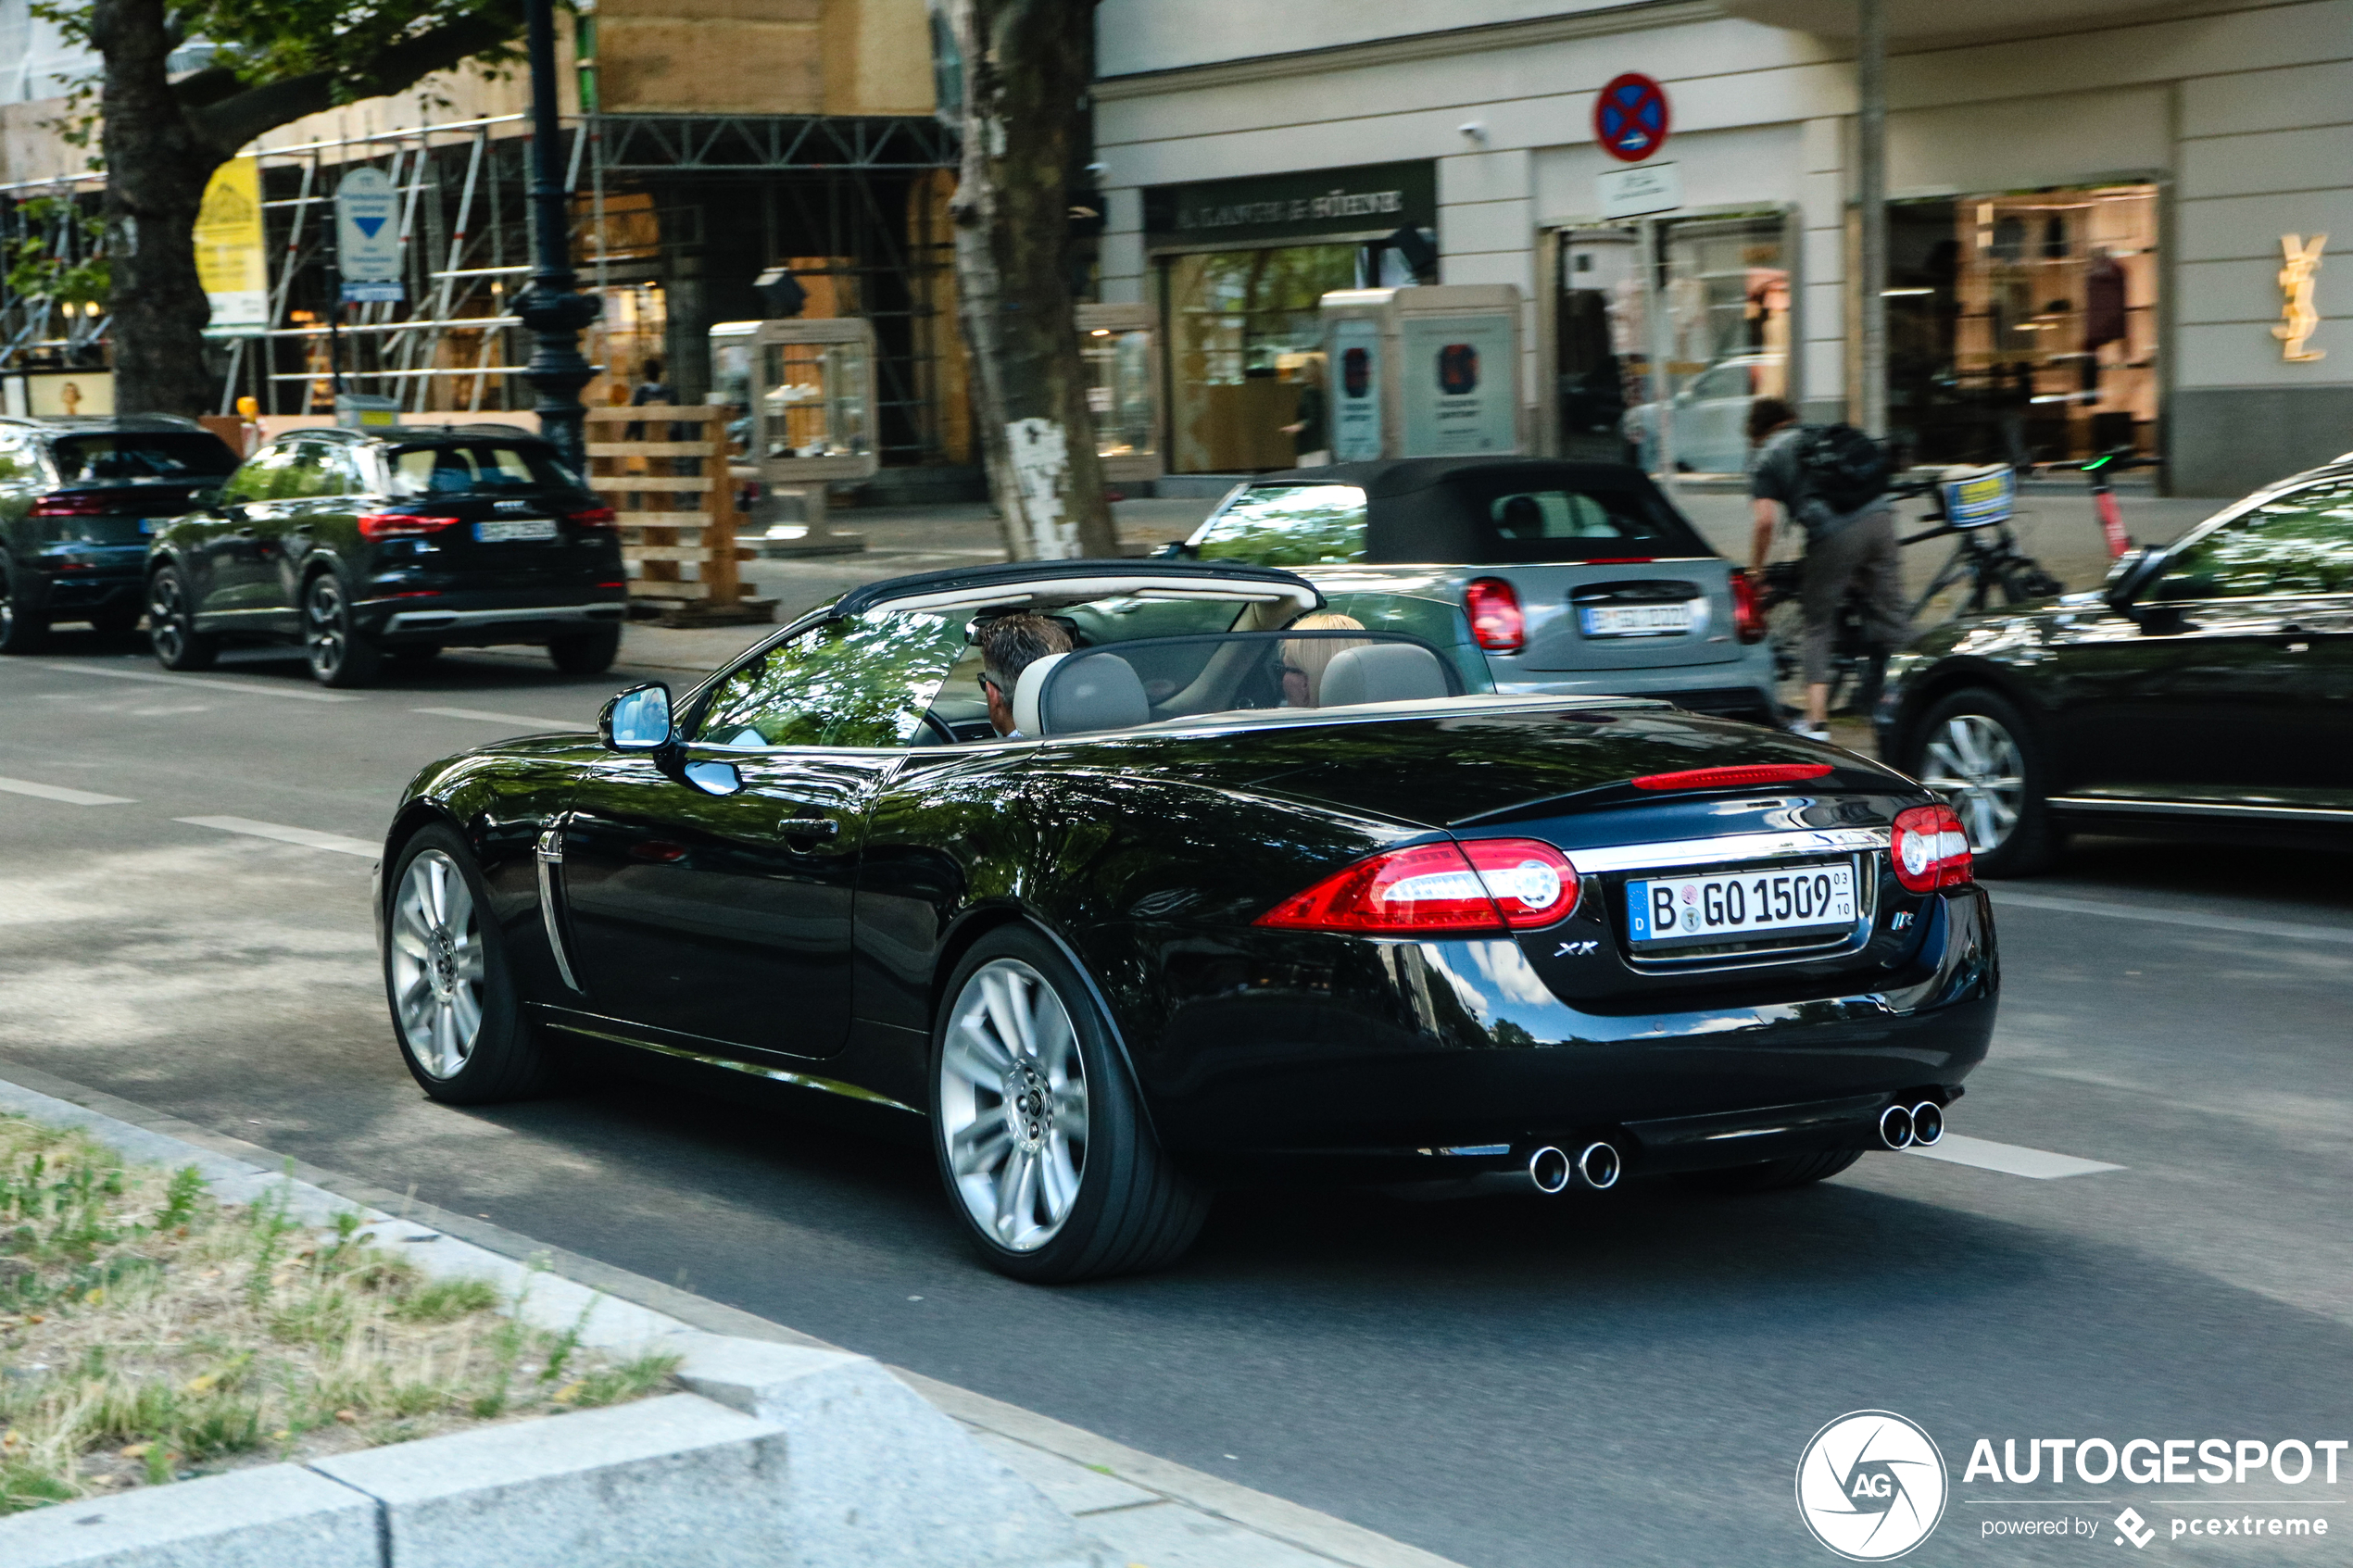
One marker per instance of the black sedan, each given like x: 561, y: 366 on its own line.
x: 399, y: 542
x: 2206, y: 690
x: 1182, y: 928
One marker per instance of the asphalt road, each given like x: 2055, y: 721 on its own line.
x: 1514, y: 1383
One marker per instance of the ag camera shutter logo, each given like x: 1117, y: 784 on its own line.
x: 1871, y: 1486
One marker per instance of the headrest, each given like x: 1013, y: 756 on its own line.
x: 1382, y: 672
x: 1099, y: 691
x: 1026, y: 686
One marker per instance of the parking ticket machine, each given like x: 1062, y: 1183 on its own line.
x: 1423, y: 373
x: 802, y: 391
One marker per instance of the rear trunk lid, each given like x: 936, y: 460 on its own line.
x: 1630, y: 614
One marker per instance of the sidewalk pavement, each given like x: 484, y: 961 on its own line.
x: 1151, y: 1512
x: 2057, y: 527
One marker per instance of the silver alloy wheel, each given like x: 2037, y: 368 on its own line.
x: 1974, y: 763
x: 325, y: 633
x: 1012, y: 1101
x: 437, y: 964
x: 167, y: 607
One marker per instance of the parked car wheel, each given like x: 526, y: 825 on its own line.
x: 340, y: 654
x: 1775, y: 1175
x: 454, y: 1008
x: 1041, y: 1140
x: 172, y: 624
x: 22, y: 630
x: 1977, y: 750
x: 588, y: 653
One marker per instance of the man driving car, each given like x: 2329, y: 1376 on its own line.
x: 1009, y: 645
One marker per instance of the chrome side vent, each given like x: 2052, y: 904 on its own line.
x: 550, y: 856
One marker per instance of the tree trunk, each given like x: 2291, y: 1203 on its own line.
x: 157, y: 167
x: 1028, y: 65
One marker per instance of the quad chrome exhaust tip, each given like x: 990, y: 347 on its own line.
x: 1928, y: 1125
x: 1548, y: 1168
x: 1896, y: 1127
x: 1598, y: 1165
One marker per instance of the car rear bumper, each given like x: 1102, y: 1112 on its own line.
x: 68, y: 595
x: 481, y: 617
x: 1374, y: 1067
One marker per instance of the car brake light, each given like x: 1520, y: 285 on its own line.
x: 1496, y: 622
x: 1930, y: 849
x: 595, y: 517
x: 1743, y: 776
x: 395, y: 525
x: 1745, y: 619
x: 67, y: 504
x: 1486, y: 886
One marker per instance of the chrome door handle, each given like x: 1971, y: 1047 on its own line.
x: 808, y: 827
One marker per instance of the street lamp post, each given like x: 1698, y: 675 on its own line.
x: 552, y: 308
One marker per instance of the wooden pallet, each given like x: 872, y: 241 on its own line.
x: 676, y: 506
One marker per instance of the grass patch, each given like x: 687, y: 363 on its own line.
x: 148, y: 1333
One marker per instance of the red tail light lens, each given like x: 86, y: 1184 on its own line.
x: 1438, y: 889
x: 1743, y: 777
x: 68, y: 504
x: 595, y: 517
x: 1746, y: 619
x: 1931, y: 849
x: 1496, y: 623
x: 396, y: 525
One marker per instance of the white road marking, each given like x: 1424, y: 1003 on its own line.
x: 208, y: 682
x: 309, y: 838
x: 490, y: 718
x: 59, y: 792
x: 2173, y: 917
x: 2009, y: 1157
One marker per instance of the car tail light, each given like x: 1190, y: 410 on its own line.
x: 595, y: 517
x: 1931, y: 850
x: 1744, y: 776
x: 68, y: 504
x: 1496, y: 622
x: 398, y: 525
x: 1437, y: 888
x: 1745, y: 619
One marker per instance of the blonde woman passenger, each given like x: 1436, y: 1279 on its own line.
x: 1306, y: 659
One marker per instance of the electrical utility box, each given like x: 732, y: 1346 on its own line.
x: 1424, y: 373
x: 1120, y: 344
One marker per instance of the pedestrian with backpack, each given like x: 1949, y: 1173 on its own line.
x: 1831, y: 481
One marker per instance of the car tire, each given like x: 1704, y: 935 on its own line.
x: 172, y: 624
x: 1985, y: 758
x: 455, y: 1014
x: 1798, y: 1169
x: 586, y: 653
x: 21, y: 629
x: 1092, y: 1193
x: 340, y: 654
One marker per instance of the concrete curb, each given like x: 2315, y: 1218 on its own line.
x: 1151, y: 1509
x: 779, y: 1456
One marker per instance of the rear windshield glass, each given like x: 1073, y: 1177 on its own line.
x: 160, y: 455
x: 450, y: 470
x: 1515, y: 521
x: 1472, y: 517
x: 1288, y: 525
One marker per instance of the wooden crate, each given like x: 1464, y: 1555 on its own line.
x: 676, y: 506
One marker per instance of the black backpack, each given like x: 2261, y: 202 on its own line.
x: 1840, y: 470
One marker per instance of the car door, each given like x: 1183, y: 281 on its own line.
x: 710, y: 892
x: 2221, y: 688
x: 234, y: 550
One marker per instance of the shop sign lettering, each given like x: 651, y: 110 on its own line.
x: 2300, y: 261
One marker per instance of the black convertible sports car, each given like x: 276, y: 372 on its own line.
x: 1182, y: 926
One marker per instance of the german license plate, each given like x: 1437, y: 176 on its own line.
x: 510, y: 530
x: 1635, y: 621
x: 1675, y: 910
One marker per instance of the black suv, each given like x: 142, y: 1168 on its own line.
x: 392, y: 542
x: 75, y: 495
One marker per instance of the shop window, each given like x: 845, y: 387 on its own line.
x: 1119, y: 391
x: 1244, y: 341
x: 2022, y: 327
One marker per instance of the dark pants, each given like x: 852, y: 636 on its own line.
x: 1862, y: 554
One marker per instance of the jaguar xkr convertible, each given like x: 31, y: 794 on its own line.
x: 1200, y: 916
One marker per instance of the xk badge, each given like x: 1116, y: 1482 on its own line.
x: 1871, y: 1486
x: 1576, y: 951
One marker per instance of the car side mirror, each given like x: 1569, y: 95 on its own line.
x: 638, y: 720
x: 2122, y: 570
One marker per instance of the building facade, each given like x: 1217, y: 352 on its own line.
x: 2109, y: 224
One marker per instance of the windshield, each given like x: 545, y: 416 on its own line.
x: 1322, y: 666
x: 473, y: 468
x: 1288, y: 525
x: 141, y: 457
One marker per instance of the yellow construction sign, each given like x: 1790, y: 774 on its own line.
x: 230, y: 261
